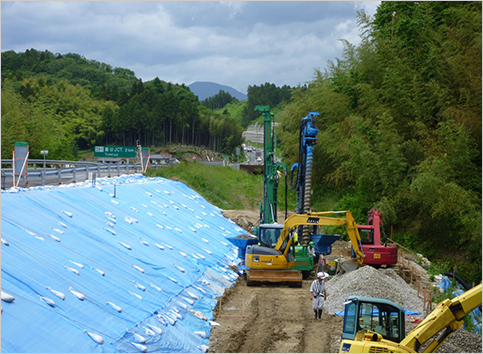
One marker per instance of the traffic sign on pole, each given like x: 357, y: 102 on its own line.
x: 114, y: 151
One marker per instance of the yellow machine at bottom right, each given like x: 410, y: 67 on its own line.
x: 374, y: 325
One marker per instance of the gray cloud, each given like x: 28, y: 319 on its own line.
x: 231, y: 43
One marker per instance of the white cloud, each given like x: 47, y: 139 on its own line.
x: 234, y: 6
x: 370, y: 7
x: 230, y: 42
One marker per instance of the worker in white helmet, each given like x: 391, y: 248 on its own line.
x: 318, y: 294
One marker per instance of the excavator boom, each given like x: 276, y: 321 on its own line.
x: 448, y: 315
x: 279, y: 258
x: 323, y: 218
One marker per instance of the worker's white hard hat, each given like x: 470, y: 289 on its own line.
x: 321, y: 275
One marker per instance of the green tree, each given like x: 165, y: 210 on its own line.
x: 400, y: 125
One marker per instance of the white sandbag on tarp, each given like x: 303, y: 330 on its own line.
x: 91, y: 264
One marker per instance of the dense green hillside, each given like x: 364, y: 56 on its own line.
x: 100, y: 78
x: 400, y: 126
x: 66, y: 103
x: 234, y: 110
x: 218, y: 101
x: 264, y: 95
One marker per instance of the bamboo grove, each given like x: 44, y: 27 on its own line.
x: 400, y: 120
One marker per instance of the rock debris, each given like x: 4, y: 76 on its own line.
x: 368, y: 281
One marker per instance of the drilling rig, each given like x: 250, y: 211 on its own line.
x: 268, y: 208
x: 269, y: 230
x: 303, y: 170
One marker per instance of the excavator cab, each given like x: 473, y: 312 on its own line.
x: 374, y: 325
x: 366, y: 234
x: 264, y: 255
x: 373, y: 314
x: 373, y: 243
x: 268, y: 234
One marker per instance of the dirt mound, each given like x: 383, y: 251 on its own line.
x: 246, y: 219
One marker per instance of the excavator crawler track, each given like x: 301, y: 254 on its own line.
x: 293, y: 277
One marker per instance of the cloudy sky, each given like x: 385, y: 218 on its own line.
x: 228, y: 42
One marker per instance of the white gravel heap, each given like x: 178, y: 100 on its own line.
x: 368, y: 281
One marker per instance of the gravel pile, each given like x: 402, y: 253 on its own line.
x: 368, y: 281
x: 461, y: 341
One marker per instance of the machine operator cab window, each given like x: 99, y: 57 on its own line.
x: 269, y: 234
x: 377, y: 315
x: 367, y: 236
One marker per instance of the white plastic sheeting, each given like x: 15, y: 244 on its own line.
x: 87, y: 270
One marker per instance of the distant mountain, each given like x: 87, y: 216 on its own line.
x: 204, y: 90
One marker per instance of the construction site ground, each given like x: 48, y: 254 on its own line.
x: 275, y: 318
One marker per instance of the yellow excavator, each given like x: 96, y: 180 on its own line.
x: 274, y: 264
x: 374, y: 325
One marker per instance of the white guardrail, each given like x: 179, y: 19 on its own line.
x: 65, y: 172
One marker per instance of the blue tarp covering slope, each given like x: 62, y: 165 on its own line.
x: 94, y: 271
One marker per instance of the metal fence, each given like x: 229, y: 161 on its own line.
x: 72, y: 172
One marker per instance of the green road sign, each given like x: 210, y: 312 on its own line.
x: 114, y: 151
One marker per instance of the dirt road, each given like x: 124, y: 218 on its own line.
x: 272, y: 318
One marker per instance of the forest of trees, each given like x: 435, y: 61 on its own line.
x: 400, y: 127
x: 220, y: 100
x: 66, y: 103
x: 264, y: 95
